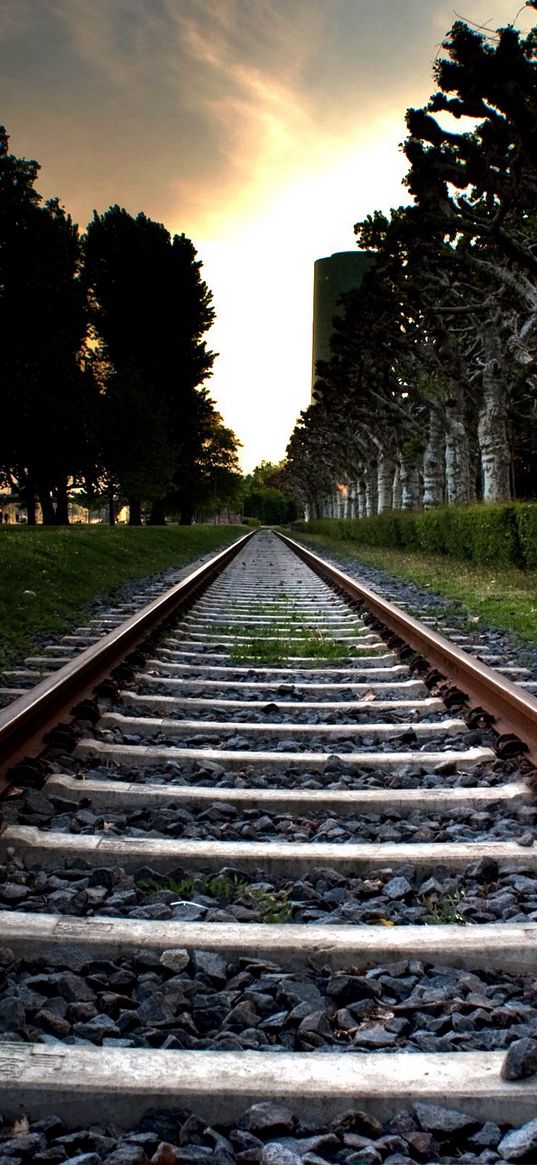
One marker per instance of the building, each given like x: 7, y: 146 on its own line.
x: 333, y: 276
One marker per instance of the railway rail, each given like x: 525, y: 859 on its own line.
x: 284, y: 853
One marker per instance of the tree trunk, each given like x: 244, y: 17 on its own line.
x: 27, y: 495
x: 135, y: 512
x: 362, y: 497
x: 111, y: 506
x: 396, y: 488
x: 47, y: 508
x: 410, y: 482
x: 351, y: 499
x: 492, y: 426
x: 62, y: 508
x: 158, y: 514
x: 385, y: 473
x: 371, y: 494
x: 458, y: 477
x: 433, y: 464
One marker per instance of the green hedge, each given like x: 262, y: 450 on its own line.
x: 504, y: 534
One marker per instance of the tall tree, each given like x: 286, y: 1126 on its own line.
x: 151, y: 309
x: 44, y: 431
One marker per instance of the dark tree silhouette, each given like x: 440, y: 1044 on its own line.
x: 46, y: 396
x: 150, y: 309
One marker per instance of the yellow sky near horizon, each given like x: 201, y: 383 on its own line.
x: 263, y: 129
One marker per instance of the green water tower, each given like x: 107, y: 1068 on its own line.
x: 333, y: 276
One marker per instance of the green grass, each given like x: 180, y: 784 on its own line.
x: 310, y: 645
x: 503, y: 597
x: 49, y: 577
x: 445, y: 912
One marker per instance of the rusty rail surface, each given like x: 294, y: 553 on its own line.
x: 514, y: 710
x: 24, y: 721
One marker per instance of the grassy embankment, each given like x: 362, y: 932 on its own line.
x: 49, y: 576
x: 502, y: 597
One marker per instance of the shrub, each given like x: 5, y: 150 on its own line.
x: 526, y: 519
x: 503, y: 534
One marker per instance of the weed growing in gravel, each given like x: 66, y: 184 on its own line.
x: 274, y: 907
x: 226, y: 888
x: 312, y: 645
x: 445, y: 912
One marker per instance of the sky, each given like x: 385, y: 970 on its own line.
x: 262, y: 129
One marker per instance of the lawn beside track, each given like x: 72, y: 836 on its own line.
x: 501, y: 597
x: 49, y: 576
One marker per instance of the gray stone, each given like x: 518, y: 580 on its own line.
x: 488, y: 1137
x: 519, y: 1142
x: 211, y: 964
x: 397, y: 888
x: 97, y: 1029
x: 12, y: 1015
x: 175, y: 959
x: 26, y: 1145
x: 267, y: 1119
x: 153, y: 1010
x: 375, y: 1037
x: 366, y: 1156
x: 486, y: 870
x: 72, y: 987
x: 275, y: 1154
x: 84, y: 1159
x: 126, y: 1155
x: 521, y: 1060
x: 12, y: 892
x: 435, y: 1119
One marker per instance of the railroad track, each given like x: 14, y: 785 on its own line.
x: 279, y: 864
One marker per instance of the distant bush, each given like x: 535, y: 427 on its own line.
x: 503, y: 534
x: 526, y: 513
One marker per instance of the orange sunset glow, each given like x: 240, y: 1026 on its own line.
x: 263, y: 129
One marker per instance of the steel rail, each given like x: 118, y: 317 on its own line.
x: 514, y: 711
x: 24, y: 721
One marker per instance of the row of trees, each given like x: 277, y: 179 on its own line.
x: 103, y: 361
x: 430, y: 392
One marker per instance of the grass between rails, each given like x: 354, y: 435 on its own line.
x: 304, y: 646
x: 49, y: 576
x: 503, y: 597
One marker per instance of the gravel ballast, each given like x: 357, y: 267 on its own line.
x: 201, y: 1000
x: 271, y: 1133
x: 398, y: 895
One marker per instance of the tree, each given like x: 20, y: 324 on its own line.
x: 431, y: 389
x: 150, y: 309
x: 267, y: 495
x: 479, y: 187
x: 45, y: 436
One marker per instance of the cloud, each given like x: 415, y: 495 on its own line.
x: 200, y: 109
x: 262, y: 128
